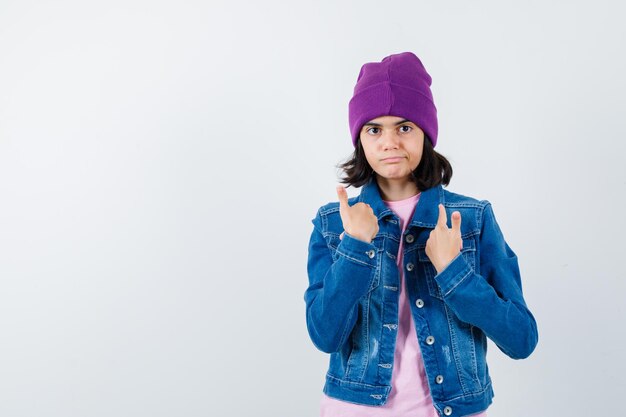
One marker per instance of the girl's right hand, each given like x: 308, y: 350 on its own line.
x: 358, y: 220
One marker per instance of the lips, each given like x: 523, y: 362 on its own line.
x: 393, y: 159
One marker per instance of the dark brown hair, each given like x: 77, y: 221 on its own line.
x: 433, y: 169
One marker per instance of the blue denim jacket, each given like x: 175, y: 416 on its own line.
x: 352, y: 301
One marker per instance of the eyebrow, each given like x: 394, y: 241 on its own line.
x: 379, y: 125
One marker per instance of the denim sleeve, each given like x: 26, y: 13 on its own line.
x: 492, y: 301
x: 336, y: 287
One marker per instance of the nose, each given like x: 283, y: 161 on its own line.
x: 390, y: 139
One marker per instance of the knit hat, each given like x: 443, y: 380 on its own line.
x: 397, y: 86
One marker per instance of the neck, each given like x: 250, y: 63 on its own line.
x: 396, y: 189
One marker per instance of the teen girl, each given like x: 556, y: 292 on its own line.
x: 408, y: 279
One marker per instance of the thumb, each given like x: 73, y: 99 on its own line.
x: 456, y: 221
x: 343, y: 198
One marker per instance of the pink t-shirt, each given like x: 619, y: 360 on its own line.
x: 410, y: 395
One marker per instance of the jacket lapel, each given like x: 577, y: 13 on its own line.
x: 425, y: 214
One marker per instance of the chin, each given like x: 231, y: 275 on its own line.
x: 396, y: 176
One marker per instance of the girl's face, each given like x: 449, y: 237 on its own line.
x: 393, y: 146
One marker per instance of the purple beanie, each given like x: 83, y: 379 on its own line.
x: 397, y: 86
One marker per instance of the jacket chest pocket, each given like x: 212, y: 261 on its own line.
x: 468, y: 252
x: 333, y: 240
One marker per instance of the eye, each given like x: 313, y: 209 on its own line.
x: 405, y: 128
x: 373, y: 130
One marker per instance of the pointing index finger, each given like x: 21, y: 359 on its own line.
x: 343, y: 197
x: 443, y: 217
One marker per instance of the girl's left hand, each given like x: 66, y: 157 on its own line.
x: 444, y: 244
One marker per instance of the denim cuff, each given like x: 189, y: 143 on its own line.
x: 358, y: 251
x: 452, y: 275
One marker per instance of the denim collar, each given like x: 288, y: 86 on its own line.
x: 426, y: 212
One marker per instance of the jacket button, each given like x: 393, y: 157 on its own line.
x: 409, y: 239
x: 409, y: 266
x: 447, y: 411
x: 430, y: 340
x: 419, y: 303
x: 371, y: 253
x: 439, y: 379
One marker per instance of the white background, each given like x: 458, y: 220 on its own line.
x: 161, y: 161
